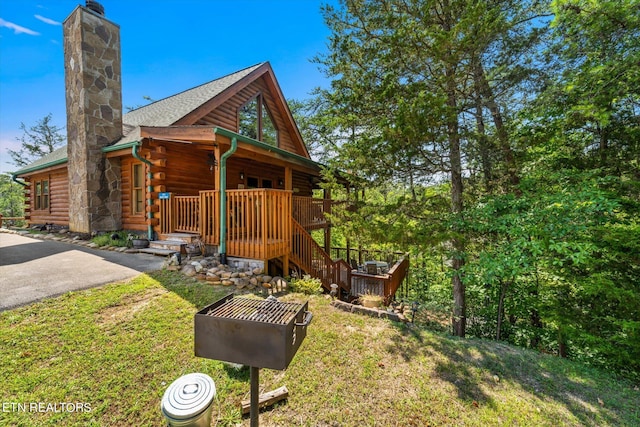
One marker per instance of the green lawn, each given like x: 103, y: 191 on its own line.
x: 115, y: 349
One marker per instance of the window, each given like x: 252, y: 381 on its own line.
x: 255, y: 121
x: 269, y: 131
x: 252, y: 182
x: 42, y: 194
x: 137, y: 189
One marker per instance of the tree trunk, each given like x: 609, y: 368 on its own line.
x: 450, y: 62
x: 459, y: 305
x: 534, y: 317
x: 501, y: 130
x: 483, y: 141
x: 562, y: 344
x: 503, y: 292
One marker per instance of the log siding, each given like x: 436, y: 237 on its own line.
x: 57, y: 211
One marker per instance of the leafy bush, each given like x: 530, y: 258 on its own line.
x: 107, y: 239
x: 307, y: 285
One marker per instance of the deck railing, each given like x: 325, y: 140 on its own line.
x: 310, y: 212
x: 165, y: 215
x: 210, y: 217
x: 260, y: 226
x: 187, y: 214
x: 358, y: 256
x: 10, y: 219
x: 385, y: 285
x: 258, y: 223
x: 315, y: 261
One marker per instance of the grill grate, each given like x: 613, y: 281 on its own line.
x: 266, y: 311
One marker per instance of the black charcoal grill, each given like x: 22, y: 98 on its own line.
x: 253, y: 332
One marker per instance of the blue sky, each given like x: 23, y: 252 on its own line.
x: 167, y: 46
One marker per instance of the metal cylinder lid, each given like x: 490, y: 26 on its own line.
x: 188, y: 396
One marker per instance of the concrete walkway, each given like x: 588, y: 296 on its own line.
x: 33, y: 269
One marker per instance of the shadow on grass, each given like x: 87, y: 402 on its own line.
x: 473, y: 366
x: 197, y: 293
x: 237, y: 372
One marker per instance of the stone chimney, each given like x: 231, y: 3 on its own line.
x: 94, y: 118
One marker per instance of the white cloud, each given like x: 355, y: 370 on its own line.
x: 17, y: 28
x: 47, y: 20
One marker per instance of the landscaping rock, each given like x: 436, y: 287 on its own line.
x: 373, y: 312
x: 245, y: 277
x: 189, y: 270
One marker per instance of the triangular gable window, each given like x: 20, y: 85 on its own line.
x: 254, y: 121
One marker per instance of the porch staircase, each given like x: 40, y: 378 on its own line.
x: 312, y: 259
x: 170, y: 243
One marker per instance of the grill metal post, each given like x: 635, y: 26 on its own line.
x: 255, y: 396
x: 256, y: 333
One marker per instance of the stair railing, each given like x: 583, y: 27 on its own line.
x: 312, y: 258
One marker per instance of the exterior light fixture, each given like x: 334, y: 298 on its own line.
x: 242, y: 176
x: 211, y: 161
x: 280, y: 182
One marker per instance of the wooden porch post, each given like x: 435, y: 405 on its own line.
x: 288, y: 178
x: 348, y: 242
x: 327, y: 227
x: 216, y: 175
x: 288, y: 185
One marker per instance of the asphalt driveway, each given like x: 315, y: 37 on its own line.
x: 33, y: 269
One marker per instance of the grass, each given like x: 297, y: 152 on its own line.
x: 105, y: 239
x: 118, y: 347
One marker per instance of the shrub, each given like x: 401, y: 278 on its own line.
x: 371, y: 300
x: 107, y: 239
x: 307, y: 285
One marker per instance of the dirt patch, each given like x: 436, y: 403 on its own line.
x: 127, y: 308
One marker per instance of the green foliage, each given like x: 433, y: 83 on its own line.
x: 106, y: 239
x: 306, y: 285
x: 11, y: 197
x: 558, y: 255
x: 37, y: 140
x: 545, y: 218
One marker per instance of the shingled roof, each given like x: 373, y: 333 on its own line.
x: 56, y: 157
x: 169, y: 110
x: 164, y: 112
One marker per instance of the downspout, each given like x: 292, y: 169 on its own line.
x: 222, y: 249
x: 134, y: 152
x: 14, y: 178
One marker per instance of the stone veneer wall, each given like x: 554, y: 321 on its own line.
x: 94, y: 120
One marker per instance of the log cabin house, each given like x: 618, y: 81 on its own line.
x: 223, y: 162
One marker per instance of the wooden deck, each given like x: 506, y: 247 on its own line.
x: 310, y: 212
x: 266, y: 224
x: 385, y: 285
x: 258, y: 220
